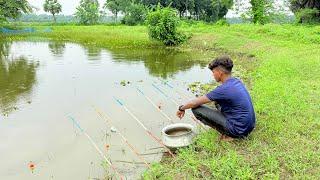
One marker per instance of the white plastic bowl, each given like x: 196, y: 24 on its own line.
x: 178, y: 135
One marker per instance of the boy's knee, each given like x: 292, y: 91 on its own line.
x: 195, y: 111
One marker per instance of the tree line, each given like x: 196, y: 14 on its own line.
x: 135, y: 11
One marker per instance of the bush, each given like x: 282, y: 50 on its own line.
x: 135, y: 14
x: 162, y: 26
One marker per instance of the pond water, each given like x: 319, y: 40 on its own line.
x: 42, y: 84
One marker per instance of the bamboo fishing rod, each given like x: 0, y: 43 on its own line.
x: 175, y: 102
x: 104, y: 116
x: 95, y: 146
x: 159, y: 109
x: 143, y: 126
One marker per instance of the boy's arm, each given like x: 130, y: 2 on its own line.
x: 195, y: 103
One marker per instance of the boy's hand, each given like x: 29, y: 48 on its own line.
x: 180, y: 114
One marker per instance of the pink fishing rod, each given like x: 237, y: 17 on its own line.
x: 104, y: 116
x: 175, y: 102
x: 95, y: 146
x: 159, y: 109
x: 144, y: 127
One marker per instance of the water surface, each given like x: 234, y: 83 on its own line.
x: 43, y: 83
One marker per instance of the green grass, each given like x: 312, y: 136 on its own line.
x: 107, y: 36
x: 280, y: 64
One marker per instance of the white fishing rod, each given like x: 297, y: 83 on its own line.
x: 143, y: 126
x: 175, y: 102
x: 154, y: 105
x: 95, y: 146
x: 104, y: 116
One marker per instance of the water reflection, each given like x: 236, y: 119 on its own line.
x: 160, y: 63
x: 57, y: 48
x: 93, y: 52
x: 17, y: 77
x: 4, y: 48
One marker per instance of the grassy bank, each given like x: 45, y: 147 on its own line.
x: 281, y: 64
x: 100, y: 35
x: 285, y: 92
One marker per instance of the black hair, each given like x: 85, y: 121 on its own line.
x: 223, y: 62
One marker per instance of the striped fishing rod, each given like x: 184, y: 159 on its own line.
x: 181, y: 94
x: 143, y: 126
x: 154, y: 105
x: 175, y: 102
x: 95, y: 146
x: 104, y: 116
x: 176, y: 89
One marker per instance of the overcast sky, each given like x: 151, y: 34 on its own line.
x: 69, y: 6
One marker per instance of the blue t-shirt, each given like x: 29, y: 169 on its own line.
x: 236, y: 106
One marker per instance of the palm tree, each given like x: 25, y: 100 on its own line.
x: 52, y: 6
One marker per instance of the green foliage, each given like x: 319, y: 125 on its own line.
x: 260, y: 11
x: 162, y: 26
x: 306, y: 11
x: 88, y: 12
x: 52, y: 6
x: 183, y: 5
x: 307, y: 16
x: 211, y: 10
x: 13, y: 9
x: 222, y: 22
x: 116, y: 6
x: 135, y: 14
x: 206, y: 10
x: 263, y: 11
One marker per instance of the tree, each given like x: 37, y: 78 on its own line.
x: 135, y: 14
x: 88, y: 12
x: 52, y: 6
x: 306, y: 10
x: 211, y: 10
x: 152, y: 4
x: 116, y: 6
x: 221, y: 7
x: 183, y: 5
x: 13, y: 9
x: 261, y: 11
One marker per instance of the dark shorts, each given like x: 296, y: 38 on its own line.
x: 213, y: 118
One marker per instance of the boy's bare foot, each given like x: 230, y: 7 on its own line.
x: 226, y: 138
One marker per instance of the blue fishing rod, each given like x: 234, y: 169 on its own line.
x: 154, y: 105
x: 175, y: 102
